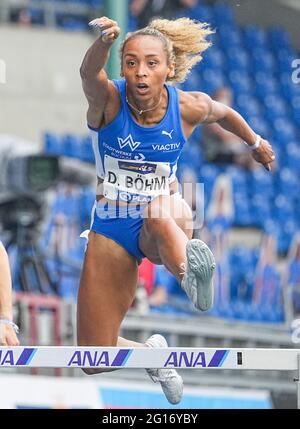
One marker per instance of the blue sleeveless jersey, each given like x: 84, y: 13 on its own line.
x: 138, y: 163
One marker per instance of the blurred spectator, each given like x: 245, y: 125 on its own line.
x: 186, y: 4
x: 221, y: 146
x: 147, y: 275
x: 220, y: 245
x: 24, y: 18
x: 145, y: 10
x: 220, y: 213
x: 267, y: 290
x: 292, y: 276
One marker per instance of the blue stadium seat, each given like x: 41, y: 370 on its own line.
x: 202, y: 13
x: 292, y: 159
x: 284, y: 130
x: 279, y: 38
x: 271, y: 313
x: 132, y: 23
x: 288, y: 231
x: 247, y: 105
x: 37, y: 16
x: 260, y: 209
x: 288, y: 182
x: 261, y: 183
x: 52, y: 144
x: 242, y: 210
x: 263, y: 60
x: 260, y: 125
x: 207, y: 175
x: 255, y: 37
x: 238, y: 59
x: 283, y: 208
x: 213, y: 79
x: 229, y: 36
x: 238, y: 178
x: 194, y: 81
x: 241, y: 83
x: 85, y: 202
x: 213, y: 57
x: 266, y: 88
x: 223, y: 14
x: 288, y: 87
x: 71, y: 22
x: 275, y: 107
x: 295, y: 106
x: 86, y: 150
x: 70, y: 146
x: 285, y: 58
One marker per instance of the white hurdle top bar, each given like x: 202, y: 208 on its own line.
x: 171, y: 357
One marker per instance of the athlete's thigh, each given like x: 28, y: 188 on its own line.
x: 107, y: 289
x: 165, y: 208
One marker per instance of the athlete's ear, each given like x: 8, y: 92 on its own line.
x: 171, y: 72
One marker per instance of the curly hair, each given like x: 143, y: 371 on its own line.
x: 183, y: 40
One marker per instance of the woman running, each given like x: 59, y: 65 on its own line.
x: 139, y: 125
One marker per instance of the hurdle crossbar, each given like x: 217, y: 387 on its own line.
x: 146, y: 357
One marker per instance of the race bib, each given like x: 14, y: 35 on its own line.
x: 135, y: 180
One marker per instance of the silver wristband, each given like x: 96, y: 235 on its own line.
x: 256, y: 144
x: 11, y: 323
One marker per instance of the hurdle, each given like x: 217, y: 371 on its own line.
x: 146, y: 357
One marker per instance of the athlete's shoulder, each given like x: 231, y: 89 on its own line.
x: 119, y: 84
x: 195, y: 106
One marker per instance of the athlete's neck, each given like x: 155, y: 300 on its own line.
x: 149, y: 109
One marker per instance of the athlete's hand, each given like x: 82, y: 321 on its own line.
x: 264, y: 154
x: 8, y: 336
x: 109, y: 29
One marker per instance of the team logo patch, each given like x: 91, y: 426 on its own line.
x: 128, y: 142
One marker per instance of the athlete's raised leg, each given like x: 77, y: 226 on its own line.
x: 166, y: 230
x: 166, y: 238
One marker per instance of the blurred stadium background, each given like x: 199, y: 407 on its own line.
x: 252, y: 218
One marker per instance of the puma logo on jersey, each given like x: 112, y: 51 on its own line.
x: 168, y: 134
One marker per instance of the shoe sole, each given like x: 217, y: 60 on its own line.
x: 202, y: 263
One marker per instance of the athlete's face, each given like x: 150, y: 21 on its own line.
x: 145, y: 66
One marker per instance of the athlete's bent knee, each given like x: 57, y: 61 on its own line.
x: 155, y: 226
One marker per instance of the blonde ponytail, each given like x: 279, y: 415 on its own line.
x: 183, y: 39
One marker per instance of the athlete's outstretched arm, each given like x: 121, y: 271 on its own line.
x: 7, y: 333
x: 94, y: 78
x: 207, y: 111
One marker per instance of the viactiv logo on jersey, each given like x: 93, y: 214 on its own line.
x: 142, y: 168
x: 166, y: 147
x: 128, y: 141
